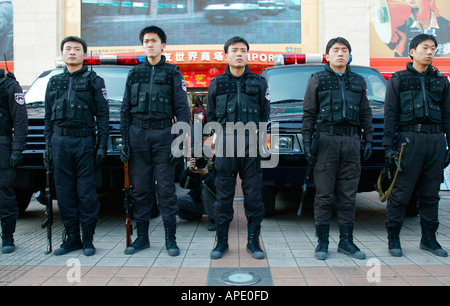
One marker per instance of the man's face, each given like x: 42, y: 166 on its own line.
x: 420, y: 8
x: 73, y: 53
x: 237, y: 55
x: 152, y: 44
x: 424, y: 53
x: 338, y: 56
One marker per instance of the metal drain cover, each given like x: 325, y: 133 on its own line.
x: 240, y: 278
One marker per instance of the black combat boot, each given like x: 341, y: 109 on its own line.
x: 346, y: 245
x: 393, y: 231
x: 72, y: 239
x: 171, y: 243
x: 142, y: 241
x: 8, y: 229
x: 322, y: 234
x: 88, y: 236
x: 428, y: 241
x: 253, y: 241
x: 222, y: 241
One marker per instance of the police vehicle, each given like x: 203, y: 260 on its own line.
x: 31, y: 177
x: 287, y: 81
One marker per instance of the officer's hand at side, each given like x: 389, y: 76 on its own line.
x: 125, y: 153
x: 367, y: 150
x: 389, y: 158
x: 447, y: 159
x: 16, y: 159
x: 47, y: 156
x: 101, y: 156
x: 309, y: 157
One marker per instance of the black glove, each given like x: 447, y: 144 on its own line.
x: 367, y: 150
x: 48, y: 156
x: 309, y: 157
x: 125, y: 153
x: 101, y: 156
x: 389, y: 158
x: 16, y: 159
x: 447, y: 159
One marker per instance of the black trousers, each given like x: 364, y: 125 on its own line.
x: 336, y: 176
x: 422, y: 166
x: 150, y: 150
x: 8, y: 204
x: 75, y: 181
x: 227, y: 169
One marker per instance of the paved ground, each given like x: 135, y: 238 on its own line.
x: 289, y: 242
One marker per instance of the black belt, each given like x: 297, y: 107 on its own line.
x: 82, y: 132
x: 340, y: 130
x: 154, y: 125
x: 5, y: 132
x: 421, y: 128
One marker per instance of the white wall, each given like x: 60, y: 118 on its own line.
x: 36, y: 37
x: 349, y: 19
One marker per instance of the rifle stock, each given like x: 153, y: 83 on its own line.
x: 127, y: 204
x: 314, y: 147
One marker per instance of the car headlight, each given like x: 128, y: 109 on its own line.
x: 116, y: 143
x: 282, y: 142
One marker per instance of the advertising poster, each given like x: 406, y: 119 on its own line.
x: 396, y: 22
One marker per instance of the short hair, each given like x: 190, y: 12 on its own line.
x: 153, y: 29
x: 336, y: 40
x: 233, y: 40
x: 74, y: 39
x: 419, y: 39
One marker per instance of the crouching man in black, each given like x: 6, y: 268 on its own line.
x: 202, y: 195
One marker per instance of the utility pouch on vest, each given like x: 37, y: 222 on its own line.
x: 138, y: 99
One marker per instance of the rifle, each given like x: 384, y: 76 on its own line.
x: 49, y: 208
x: 127, y: 203
x: 314, y: 147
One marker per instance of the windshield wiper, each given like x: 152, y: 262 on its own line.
x: 287, y: 101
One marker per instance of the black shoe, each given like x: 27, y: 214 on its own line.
x: 253, y: 241
x: 428, y: 241
x: 8, y: 229
x: 393, y: 231
x: 323, y: 234
x: 222, y: 241
x: 88, y: 237
x: 171, y: 243
x: 346, y: 245
x: 142, y: 242
x: 72, y: 240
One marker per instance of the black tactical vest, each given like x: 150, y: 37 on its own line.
x: 152, y: 89
x: 238, y: 100
x: 5, y: 117
x: 420, y: 96
x: 72, y: 97
x: 339, y: 100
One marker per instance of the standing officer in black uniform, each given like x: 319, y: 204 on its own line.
x: 155, y: 93
x: 13, y: 115
x: 72, y: 100
x: 339, y: 97
x: 417, y: 107
x: 238, y: 95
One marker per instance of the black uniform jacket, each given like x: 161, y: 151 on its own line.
x: 392, y: 106
x: 17, y: 112
x: 101, y: 108
x: 264, y: 103
x: 311, y: 110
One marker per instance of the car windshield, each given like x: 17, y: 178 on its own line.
x: 115, y: 79
x: 289, y: 85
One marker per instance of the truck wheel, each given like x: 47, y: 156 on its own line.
x: 23, y: 198
x: 269, y: 194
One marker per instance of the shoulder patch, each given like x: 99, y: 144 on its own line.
x: 20, y: 98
